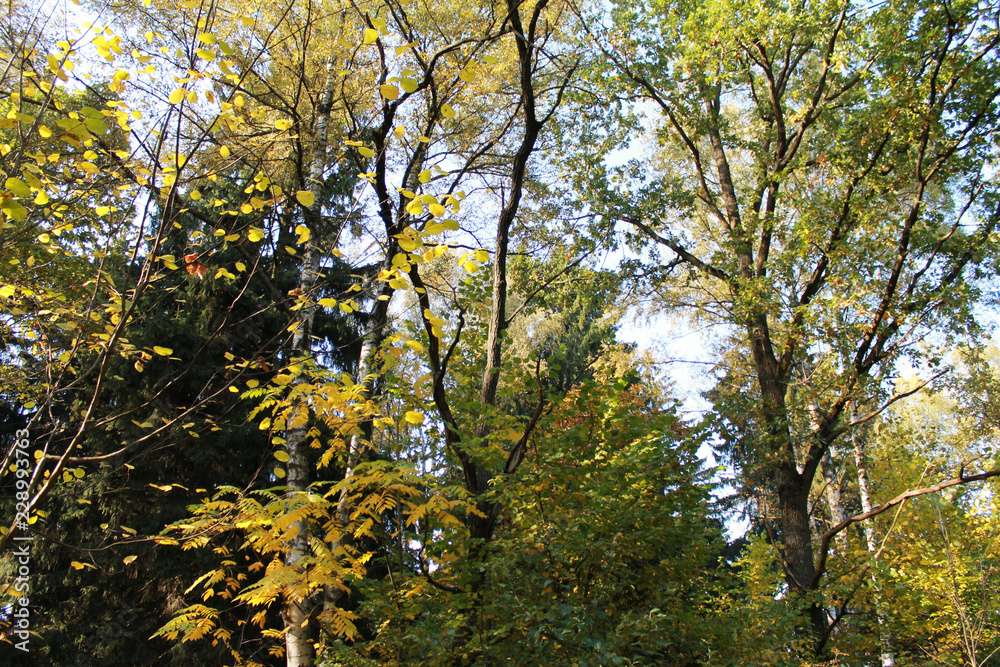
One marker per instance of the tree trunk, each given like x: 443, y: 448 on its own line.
x: 299, y: 650
x: 298, y: 643
x: 871, y: 540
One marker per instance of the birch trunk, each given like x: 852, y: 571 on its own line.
x: 299, y: 651
x: 871, y: 541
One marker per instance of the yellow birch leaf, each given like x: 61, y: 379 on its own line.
x: 414, y: 418
x: 389, y: 91
x: 255, y: 235
x: 303, y: 233
x: 177, y: 96
x: 162, y: 351
x: 18, y: 187
x: 305, y: 198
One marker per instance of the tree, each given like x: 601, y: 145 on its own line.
x: 821, y: 189
x: 319, y: 274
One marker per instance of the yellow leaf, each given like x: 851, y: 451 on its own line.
x: 282, y: 124
x: 195, y: 195
x: 279, y: 473
x: 408, y: 84
x: 303, y: 233
x: 389, y: 91
x: 128, y: 560
x: 415, y: 346
x: 414, y: 418
x: 224, y: 151
x: 18, y: 187
x: 177, y: 96
x: 162, y: 351
x: 206, y: 54
x: 409, y: 244
x: 437, y: 210
x: 240, y: 266
x: 424, y: 176
x: 44, y: 131
x: 447, y: 111
x: 370, y: 35
x: 282, y: 456
x: 206, y: 38
x: 482, y: 256
x: 255, y: 235
x: 305, y: 198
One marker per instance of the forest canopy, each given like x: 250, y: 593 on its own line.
x: 315, y: 321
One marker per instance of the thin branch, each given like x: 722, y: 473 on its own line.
x: 960, y: 480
